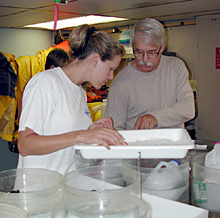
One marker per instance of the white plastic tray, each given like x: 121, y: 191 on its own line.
x: 152, y: 143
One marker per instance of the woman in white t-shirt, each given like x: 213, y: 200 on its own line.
x: 55, y: 115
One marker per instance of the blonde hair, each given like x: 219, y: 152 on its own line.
x: 150, y: 30
x: 84, y: 41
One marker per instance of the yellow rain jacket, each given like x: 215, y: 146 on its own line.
x: 25, y: 67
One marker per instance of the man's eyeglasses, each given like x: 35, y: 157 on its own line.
x: 151, y: 54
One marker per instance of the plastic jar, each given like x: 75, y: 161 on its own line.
x: 102, y: 205
x: 169, y: 182
x: 10, y: 211
x: 33, y: 190
x: 114, y: 179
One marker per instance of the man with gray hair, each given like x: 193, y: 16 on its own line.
x: 153, y: 91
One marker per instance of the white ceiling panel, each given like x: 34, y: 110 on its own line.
x: 31, y: 4
x: 176, y: 9
x: 4, y: 11
x: 18, y: 20
x: 16, y: 13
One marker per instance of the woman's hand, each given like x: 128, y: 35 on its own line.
x: 105, y: 122
x: 101, y: 132
x: 101, y: 136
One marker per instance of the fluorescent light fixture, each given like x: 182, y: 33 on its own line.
x: 72, y: 22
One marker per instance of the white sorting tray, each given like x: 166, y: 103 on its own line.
x: 151, y: 143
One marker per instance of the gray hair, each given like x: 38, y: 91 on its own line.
x: 150, y: 30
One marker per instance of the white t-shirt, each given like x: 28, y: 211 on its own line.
x: 52, y: 104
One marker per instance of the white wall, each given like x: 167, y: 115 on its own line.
x: 208, y: 90
x: 182, y: 40
x: 22, y: 42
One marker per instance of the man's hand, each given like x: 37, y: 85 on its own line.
x: 147, y: 121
